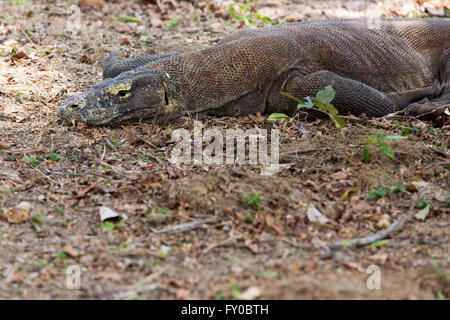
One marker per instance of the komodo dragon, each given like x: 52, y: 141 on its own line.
x: 375, y: 71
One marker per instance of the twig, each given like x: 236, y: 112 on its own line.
x: 109, y: 144
x: 103, y: 163
x: 2, y: 117
x: 391, y: 115
x: 47, y: 177
x: 134, y: 293
x: 431, y: 112
x: 140, y: 137
x: 377, y: 123
x: 219, y: 244
x: 397, y: 225
x: 434, y: 164
x: 182, y: 227
x: 373, y: 238
x: 440, y: 152
x: 304, y: 151
x: 138, y: 288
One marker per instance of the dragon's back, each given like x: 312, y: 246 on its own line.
x: 387, y: 54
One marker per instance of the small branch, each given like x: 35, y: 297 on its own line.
x: 140, y: 137
x: 377, y: 123
x: 434, y: 164
x: 436, y: 110
x: 2, y: 117
x: 116, y: 170
x: 440, y: 152
x: 303, y: 151
x: 182, y: 227
x: 394, y: 114
x: 219, y: 244
x: 397, y: 225
x: 373, y: 238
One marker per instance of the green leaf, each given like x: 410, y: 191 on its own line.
x: 447, y: 203
x: 372, y: 139
x: 339, y: 123
x: 440, y: 295
x: 127, y: 19
x: 422, y: 203
x: 235, y: 291
x: 277, y: 116
x: 379, y: 244
x: 37, y: 227
x: 63, y: 255
x: 376, y: 194
x: 346, y: 196
x: 399, y: 187
x: 387, y: 150
x: 249, y: 218
x: 327, y: 95
x: 144, y: 38
x: 379, y: 134
x: 307, y: 104
x: 106, y: 225
x: 347, y: 243
x: 422, y: 214
x: 393, y: 138
x: 290, y: 96
x: 331, y: 109
x: 366, y: 154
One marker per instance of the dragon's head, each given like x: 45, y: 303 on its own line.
x: 138, y: 93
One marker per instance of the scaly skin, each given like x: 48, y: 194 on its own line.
x: 374, y: 71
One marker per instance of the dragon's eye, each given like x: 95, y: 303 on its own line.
x: 122, y: 93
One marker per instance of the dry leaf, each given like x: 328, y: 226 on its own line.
x: 20, y: 213
x: 4, y: 145
x: 384, y: 222
x: 19, y: 55
x: 182, y: 294
x: 82, y: 193
x: 251, y: 293
x: 86, y: 59
x: 71, y: 251
x: 127, y: 42
x: 271, y: 224
x: 353, y: 265
x: 106, y: 213
x: 315, y: 215
x: 380, y: 258
x: 111, y: 276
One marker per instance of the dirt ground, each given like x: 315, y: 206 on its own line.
x: 55, y: 176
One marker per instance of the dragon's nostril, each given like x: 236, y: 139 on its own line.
x: 74, y: 106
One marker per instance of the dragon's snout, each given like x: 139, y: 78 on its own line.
x: 67, y: 110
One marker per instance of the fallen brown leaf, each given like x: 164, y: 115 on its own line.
x: 71, y: 251
x: 86, y: 59
x: 19, y: 55
x: 82, y: 193
x: 182, y: 294
x: 271, y: 224
x: 18, y: 214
